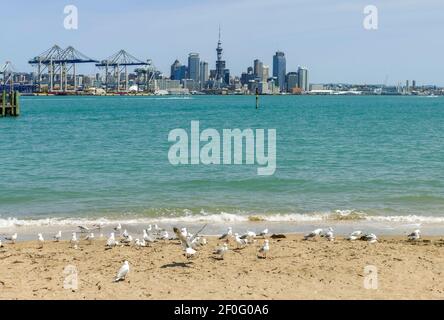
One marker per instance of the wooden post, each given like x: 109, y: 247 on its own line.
x: 17, y: 103
x: 4, y: 103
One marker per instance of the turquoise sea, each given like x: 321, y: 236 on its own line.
x: 338, y: 157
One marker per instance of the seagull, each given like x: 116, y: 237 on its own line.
x: 184, y: 232
x: 118, y: 228
x: 12, y: 238
x: 249, y: 234
x: 370, y: 238
x: 415, y: 235
x: 329, y: 235
x: 355, y: 235
x: 313, y: 234
x: 122, y: 272
x: 240, y: 242
x: 139, y: 244
x: 203, y: 241
x: 128, y: 240
x: 125, y: 234
x: 90, y: 237
x: 41, y: 240
x: 83, y: 229
x: 264, y: 249
x: 263, y: 233
x: 326, y: 231
x: 221, y: 251
x: 229, y: 233
x: 99, y: 225
x: 164, y: 235
x: 189, y: 253
x: 58, y: 236
x: 158, y: 229
x: 111, y: 242
x: 147, y: 237
x: 74, y: 242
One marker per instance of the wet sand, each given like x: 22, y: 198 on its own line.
x: 294, y: 269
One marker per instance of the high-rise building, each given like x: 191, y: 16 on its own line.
x: 258, y: 69
x: 174, y: 69
x: 203, y: 73
x: 292, y: 81
x: 265, y: 72
x: 194, y: 67
x: 220, y: 64
x: 279, y: 69
x: 303, y: 79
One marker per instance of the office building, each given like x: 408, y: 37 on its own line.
x: 279, y: 69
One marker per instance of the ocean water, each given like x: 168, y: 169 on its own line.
x: 339, y: 158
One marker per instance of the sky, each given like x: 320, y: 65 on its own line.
x: 326, y: 36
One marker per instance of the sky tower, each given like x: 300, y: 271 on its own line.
x: 220, y: 64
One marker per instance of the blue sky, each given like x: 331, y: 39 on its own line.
x: 326, y: 36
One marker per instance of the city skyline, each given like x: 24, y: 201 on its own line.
x: 328, y: 38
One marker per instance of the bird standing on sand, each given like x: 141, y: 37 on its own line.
x: 58, y: 236
x: 74, y: 241
x: 12, y: 238
x: 313, y: 234
x: 125, y: 234
x: 118, y: 228
x: 123, y: 272
x: 329, y: 235
x: 227, y: 235
x: 263, y: 233
x: 240, y: 242
x: 355, y: 235
x: 111, y: 242
x: 164, y: 235
x: 264, y: 249
x: 90, y: 237
x: 83, y: 229
x: 370, y: 238
x: 221, y: 251
x: 248, y: 235
x: 189, y: 253
x: 414, y: 236
x: 147, y: 237
x: 41, y: 240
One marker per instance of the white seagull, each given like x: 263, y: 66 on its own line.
x: 125, y: 234
x: 147, y: 237
x: 90, y: 237
x: 240, y: 242
x: 415, y: 235
x: 164, y: 235
x: 313, y: 234
x: 41, y: 240
x: 329, y: 235
x: 227, y: 235
x: 111, y: 242
x: 12, y: 238
x: 74, y: 242
x: 249, y: 234
x: 263, y: 233
x: 118, y: 228
x: 370, y: 238
x: 83, y: 229
x: 264, y: 249
x: 221, y: 251
x: 58, y: 236
x: 123, y: 272
x: 355, y: 235
x: 189, y: 253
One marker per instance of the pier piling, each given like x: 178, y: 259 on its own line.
x: 10, y: 104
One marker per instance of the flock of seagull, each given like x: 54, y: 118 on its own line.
x: 191, y: 243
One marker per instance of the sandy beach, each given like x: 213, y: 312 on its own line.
x: 294, y: 269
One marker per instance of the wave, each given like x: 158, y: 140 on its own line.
x: 224, y: 217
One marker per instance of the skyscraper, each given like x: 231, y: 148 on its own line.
x: 220, y: 64
x: 292, y: 81
x: 279, y: 69
x: 203, y: 73
x: 258, y: 69
x: 303, y: 78
x: 194, y: 67
x: 174, y: 69
x: 265, y: 72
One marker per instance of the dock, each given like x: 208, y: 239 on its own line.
x: 10, y: 104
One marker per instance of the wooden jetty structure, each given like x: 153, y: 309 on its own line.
x: 10, y: 104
